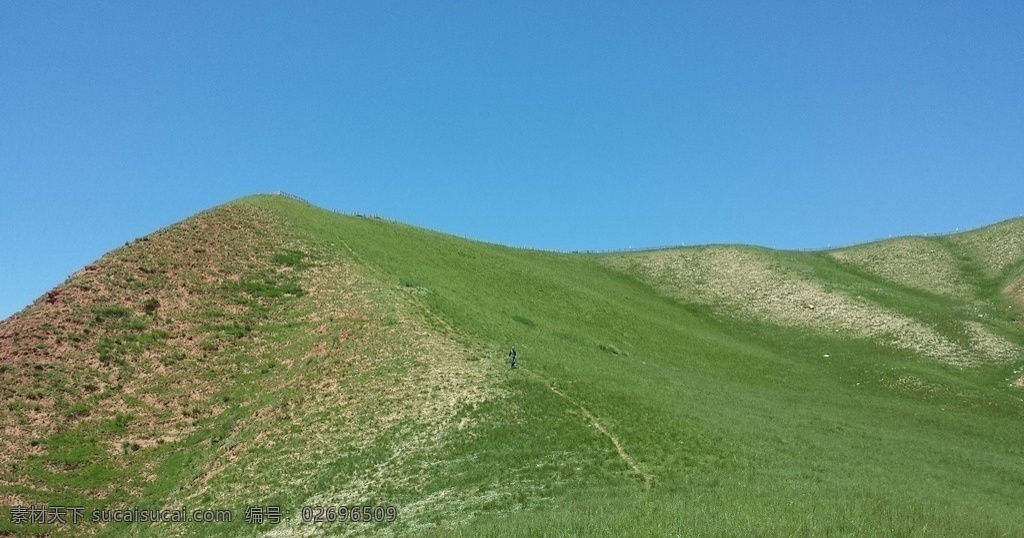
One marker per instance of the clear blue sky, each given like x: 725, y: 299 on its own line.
x: 583, y: 125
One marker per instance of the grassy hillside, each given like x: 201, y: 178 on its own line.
x: 269, y: 353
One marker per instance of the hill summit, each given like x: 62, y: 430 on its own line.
x: 267, y: 357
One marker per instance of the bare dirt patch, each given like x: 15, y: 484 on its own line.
x: 122, y: 336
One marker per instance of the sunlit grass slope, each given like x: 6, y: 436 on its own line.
x: 707, y: 391
x: 741, y: 421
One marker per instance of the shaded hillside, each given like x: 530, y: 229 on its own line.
x: 270, y: 353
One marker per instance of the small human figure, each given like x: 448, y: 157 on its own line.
x: 512, y: 357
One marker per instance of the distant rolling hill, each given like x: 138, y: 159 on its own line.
x: 268, y: 360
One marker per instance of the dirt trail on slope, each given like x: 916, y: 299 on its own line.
x: 630, y: 462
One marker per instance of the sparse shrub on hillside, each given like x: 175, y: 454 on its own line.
x: 134, y: 324
x: 116, y: 345
x: 524, y: 320
x: 230, y: 329
x: 291, y: 258
x: 103, y: 313
x: 107, y: 348
x: 410, y: 286
x: 78, y: 409
x: 173, y: 357
x: 152, y: 337
x: 610, y: 348
x: 120, y: 422
x: 151, y: 305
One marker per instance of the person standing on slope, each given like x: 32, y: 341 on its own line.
x: 512, y: 358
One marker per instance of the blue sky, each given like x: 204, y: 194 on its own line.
x: 583, y: 125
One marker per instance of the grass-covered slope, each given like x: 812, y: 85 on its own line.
x: 299, y: 357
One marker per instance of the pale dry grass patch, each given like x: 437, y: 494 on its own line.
x: 916, y: 384
x: 372, y: 378
x: 915, y: 262
x: 995, y: 348
x: 997, y: 247
x: 1015, y: 291
x: 742, y: 281
x: 412, y: 412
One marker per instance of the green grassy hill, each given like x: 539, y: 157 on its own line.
x: 267, y: 353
